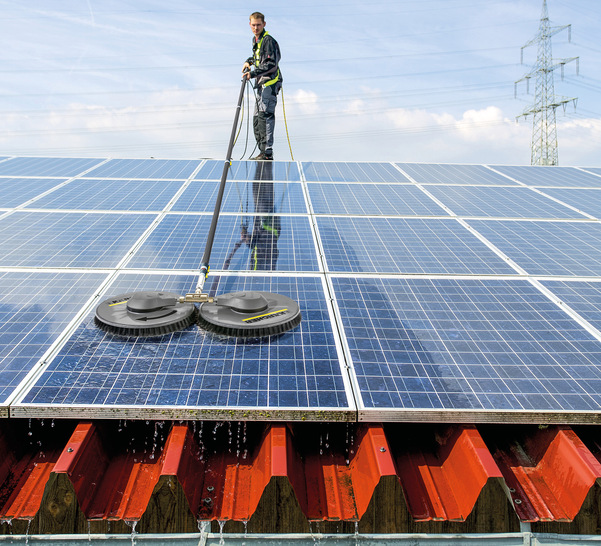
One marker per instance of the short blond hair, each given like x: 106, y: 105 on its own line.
x: 257, y: 15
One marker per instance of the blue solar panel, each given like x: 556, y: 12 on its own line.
x: 30, y: 239
x: 245, y: 196
x: 17, y: 191
x: 34, y: 309
x: 146, y: 168
x: 432, y: 173
x: 352, y: 172
x: 128, y: 195
x: 46, y: 166
x: 551, y: 176
x: 433, y: 315
x: 547, y: 248
x: 587, y: 201
x: 470, y: 344
x: 582, y: 297
x: 372, y: 199
x: 192, y: 369
x: 269, y: 242
x: 501, y: 202
x: 381, y: 245
x: 250, y: 170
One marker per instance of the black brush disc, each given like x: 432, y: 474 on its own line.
x: 144, y: 314
x: 250, y: 314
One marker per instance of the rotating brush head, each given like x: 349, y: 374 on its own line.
x: 144, y: 314
x: 249, y: 314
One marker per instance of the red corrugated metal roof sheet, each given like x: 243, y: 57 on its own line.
x: 332, y: 470
x: 443, y: 482
x: 549, y: 473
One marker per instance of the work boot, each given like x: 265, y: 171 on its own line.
x: 259, y: 157
x: 268, y: 155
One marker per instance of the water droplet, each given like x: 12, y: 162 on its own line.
x: 221, y: 537
x: 132, y: 524
x: 204, y: 527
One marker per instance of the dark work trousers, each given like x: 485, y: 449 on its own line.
x: 264, y: 118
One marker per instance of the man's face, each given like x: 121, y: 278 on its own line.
x: 257, y: 26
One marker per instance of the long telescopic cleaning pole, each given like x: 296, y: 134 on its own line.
x: 204, y: 267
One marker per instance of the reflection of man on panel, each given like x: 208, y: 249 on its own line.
x: 263, y: 241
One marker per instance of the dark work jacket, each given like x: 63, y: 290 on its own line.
x: 269, y: 60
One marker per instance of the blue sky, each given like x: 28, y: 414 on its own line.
x: 426, y: 81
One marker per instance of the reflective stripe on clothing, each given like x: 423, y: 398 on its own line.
x: 258, y: 60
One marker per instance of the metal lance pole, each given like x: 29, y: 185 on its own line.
x: 204, y: 267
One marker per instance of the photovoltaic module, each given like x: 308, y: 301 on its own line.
x: 454, y: 292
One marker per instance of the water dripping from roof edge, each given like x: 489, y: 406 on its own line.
x: 27, y: 531
x: 157, y: 424
x: 230, y: 436
x: 9, y: 522
x: 239, y: 425
x: 204, y: 526
x: 316, y: 536
x: 132, y: 524
x: 221, y: 537
x: 200, y: 442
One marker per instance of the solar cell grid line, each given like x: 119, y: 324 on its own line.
x: 192, y: 374
x: 547, y: 247
x: 587, y: 201
x: 434, y: 173
x: 243, y: 197
x: 550, y: 176
x: 111, y: 194
x: 66, y: 239
x: 146, y: 168
x: 352, y: 172
x: 281, y: 171
x: 267, y: 242
x: 48, y: 166
x: 16, y: 192
x: 505, y: 202
x: 405, y: 246
x: 371, y: 199
x: 477, y: 349
x: 34, y: 308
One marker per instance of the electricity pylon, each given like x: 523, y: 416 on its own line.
x: 544, y: 130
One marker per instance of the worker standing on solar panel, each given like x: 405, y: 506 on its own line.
x: 263, y: 66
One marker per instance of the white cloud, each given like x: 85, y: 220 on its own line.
x: 171, y: 123
x: 579, y: 141
x: 305, y: 102
x: 184, y: 123
x: 477, y: 136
